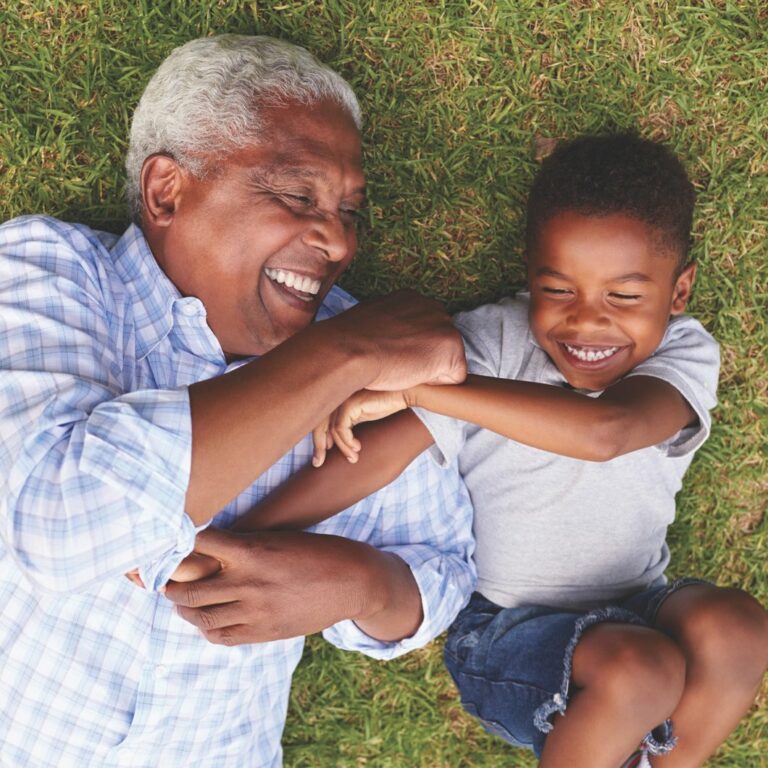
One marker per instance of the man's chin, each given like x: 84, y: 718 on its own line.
x: 261, y: 343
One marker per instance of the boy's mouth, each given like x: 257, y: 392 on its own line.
x: 589, y: 354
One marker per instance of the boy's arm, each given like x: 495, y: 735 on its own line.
x: 634, y: 413
x: 314, y: 494
x: 311, y: 495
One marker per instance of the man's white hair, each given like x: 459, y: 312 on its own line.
x: 206, y: 98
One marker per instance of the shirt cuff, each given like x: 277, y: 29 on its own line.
x: 443, y: 595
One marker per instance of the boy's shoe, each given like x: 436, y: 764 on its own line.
x: 637, y: 759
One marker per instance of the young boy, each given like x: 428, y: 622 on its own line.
x: 585, y: 404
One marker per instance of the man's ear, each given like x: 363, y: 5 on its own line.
x: 681, y: 293
x: 160, y: 188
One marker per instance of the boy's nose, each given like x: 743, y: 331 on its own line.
x: 587, y: 314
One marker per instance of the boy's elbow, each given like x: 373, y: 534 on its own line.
x: 608, y: 437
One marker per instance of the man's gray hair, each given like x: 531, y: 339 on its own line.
x: 206, y: 97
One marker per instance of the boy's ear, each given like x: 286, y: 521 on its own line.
x: 681, y: 293
x: 160, y: 188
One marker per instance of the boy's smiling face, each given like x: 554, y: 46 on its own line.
x: 602, y: 291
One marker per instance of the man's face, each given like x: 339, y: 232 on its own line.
x: 601, y: 295
x: 262, y: 239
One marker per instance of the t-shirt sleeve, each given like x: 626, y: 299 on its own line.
x: 689, y: 359
x: 481, y: 329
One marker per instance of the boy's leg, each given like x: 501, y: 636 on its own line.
x: 723, y: 634
x: 625, y: 680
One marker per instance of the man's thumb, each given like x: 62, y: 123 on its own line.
x: 215, y: 542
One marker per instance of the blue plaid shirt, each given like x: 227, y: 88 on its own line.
x: 97, y: 350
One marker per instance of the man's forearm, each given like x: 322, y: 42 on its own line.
x: 246, y: 420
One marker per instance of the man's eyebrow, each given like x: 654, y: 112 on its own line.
x: 281, y: 171
x: 286, y: 171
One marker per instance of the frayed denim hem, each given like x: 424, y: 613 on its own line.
x: 660, y: 740
x: 558, y: 703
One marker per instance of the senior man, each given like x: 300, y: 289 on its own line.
x: 158, y: 380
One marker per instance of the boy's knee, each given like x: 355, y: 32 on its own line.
x: 643, y: 671
x: 728, y: 632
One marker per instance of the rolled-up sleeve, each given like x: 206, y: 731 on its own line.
x: 95, y: 475
x: 424, y: 517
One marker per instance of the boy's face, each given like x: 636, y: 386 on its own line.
x: 601, y: 295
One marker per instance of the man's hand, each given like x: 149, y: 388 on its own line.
x: 196, y: 566
x: 411, y: 336
x: 365, y: 405
x: 276, y: 585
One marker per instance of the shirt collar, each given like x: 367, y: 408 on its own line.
x: 151, y: 293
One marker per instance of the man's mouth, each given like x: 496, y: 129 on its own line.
x: 301, y: 286
x: 589, y: 354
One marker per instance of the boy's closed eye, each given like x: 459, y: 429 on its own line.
x: 625, y: 296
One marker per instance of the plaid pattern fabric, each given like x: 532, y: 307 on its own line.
x: 97, y: 349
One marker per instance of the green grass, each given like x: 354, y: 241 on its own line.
x: 456, y: 94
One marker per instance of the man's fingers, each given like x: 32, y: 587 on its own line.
x: 201, y: 593
x: 456, y: 376
x: 213, y: 616
x: 238, y: 634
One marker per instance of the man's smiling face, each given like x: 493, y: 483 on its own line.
x: 602, y: 292
x: 262, y: 239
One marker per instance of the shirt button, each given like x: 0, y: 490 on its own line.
x: 161, y: 670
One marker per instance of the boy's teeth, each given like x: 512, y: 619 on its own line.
x: 293, y: 280
x: 590, y: 355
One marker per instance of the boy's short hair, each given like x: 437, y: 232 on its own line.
x: 615, y: 173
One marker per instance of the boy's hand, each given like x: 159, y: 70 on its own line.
x: 365, y: 405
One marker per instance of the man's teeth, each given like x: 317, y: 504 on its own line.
x: 293, y: 280
x: 591, y: 355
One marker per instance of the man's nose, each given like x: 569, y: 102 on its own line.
x: 328, y: 233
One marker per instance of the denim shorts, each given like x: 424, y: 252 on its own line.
x: 512, y: 666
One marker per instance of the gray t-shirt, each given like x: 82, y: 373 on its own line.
x: 553, y: 530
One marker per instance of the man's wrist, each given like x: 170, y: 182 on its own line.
x: 352, y: 351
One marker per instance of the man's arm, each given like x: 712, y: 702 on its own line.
x: 285, y: 584
x: 244, y: 421
x: 407, y: 578
x: 311, y: 495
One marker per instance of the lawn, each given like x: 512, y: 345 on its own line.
x: 458, y: 96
